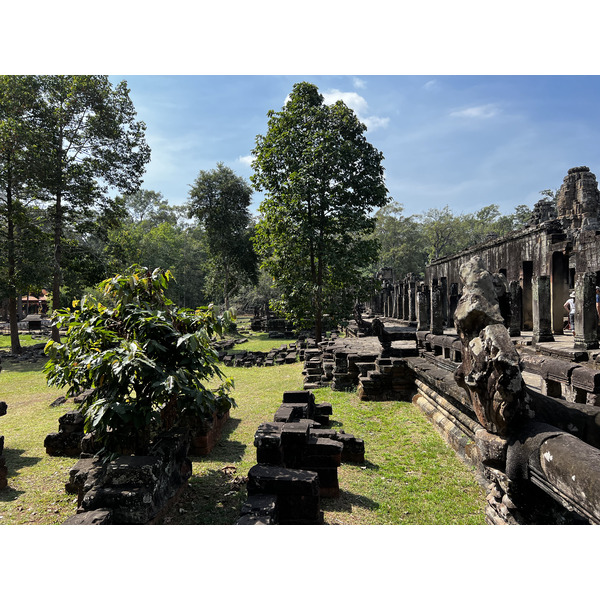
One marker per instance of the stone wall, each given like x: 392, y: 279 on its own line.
x: 131, y: 490
x: 561, y: 243
x: 523, y: 411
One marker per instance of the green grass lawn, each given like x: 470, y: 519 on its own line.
x: 25, y: 339
x: 410, y: 476
x: 36, y: 481
x: 260, y: 342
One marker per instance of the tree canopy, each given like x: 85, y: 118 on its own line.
x: 91, y: 143
x: 219, y: 199
x: 22, y: 251
x: 321, y: 178
x: 408, y: 244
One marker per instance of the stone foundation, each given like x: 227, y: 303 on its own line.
x: 131, y: 490
x: 72, y: 441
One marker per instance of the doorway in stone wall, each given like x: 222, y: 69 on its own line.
x: 559, y: 289
x: 526, y: 278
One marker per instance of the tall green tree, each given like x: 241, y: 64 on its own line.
x: 219, y: 199
x: 93, y: 143
x: 156, y: 234
x: 20, y: 112
x: 444, y: 232
x: 322, y: 179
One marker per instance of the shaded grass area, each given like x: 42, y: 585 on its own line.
x: 410, y: 475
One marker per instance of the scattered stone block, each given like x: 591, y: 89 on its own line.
x: 260, y: 509
x: 92, y: 517
x: 67, y: 442
x: 297, y: 493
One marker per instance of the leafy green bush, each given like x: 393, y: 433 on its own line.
x: 145, y: 361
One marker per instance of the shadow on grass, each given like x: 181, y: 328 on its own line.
x: 213, y: 498
x: 226, y: 450
x: 346, y: 501
x: 15, y: 461
x: 20, y: 366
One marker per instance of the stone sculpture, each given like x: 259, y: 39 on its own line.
x: 490, y: 372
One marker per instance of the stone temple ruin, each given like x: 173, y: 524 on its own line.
x: 479, y: 347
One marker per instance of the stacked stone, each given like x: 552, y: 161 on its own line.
x: 131, y: 490
x: 391, y: 379
x: 344, y: 378
x: 313, y: 367
x: 3, y: 467
x: 298, y: 460
x: 67, y: 442
x: 285, y: 354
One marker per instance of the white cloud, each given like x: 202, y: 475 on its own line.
x: 376, y: 122
x: 351, y: 99
x: 485, y: 111
x: 358, y: 83
x: 431, y: 84
x: 246, y: 160
x: 359, y: 105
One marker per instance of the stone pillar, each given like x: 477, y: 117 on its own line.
x: 453, y: 303
x: 586, y: 318
x: 516, y: 298
x: 437, y: 322
x: 423, y: 309
x: 405, y: 301
x: 542, y: 313
x: 412, y: 299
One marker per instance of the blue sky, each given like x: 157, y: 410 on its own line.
x: 461, y: 141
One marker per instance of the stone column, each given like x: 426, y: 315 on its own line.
x: 453, y: 303
x: 437, y: 321
x: 412, y: 297
x: 586, y: 318
x: 405, y: 301
x: 516, y: 297
x: 423, y: 309
x: 542, y: 313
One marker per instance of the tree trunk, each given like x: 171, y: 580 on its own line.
x: 319, y: 303
x: 15, y: 342
x: 57, y: 276
x: 226, y: 287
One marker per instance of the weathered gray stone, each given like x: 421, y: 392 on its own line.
x: 490, y: 370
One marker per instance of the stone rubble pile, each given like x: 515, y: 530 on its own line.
x: 67, y: 442
x: 298, y: 457
x: 285, y: 354
x: 130, y: 490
